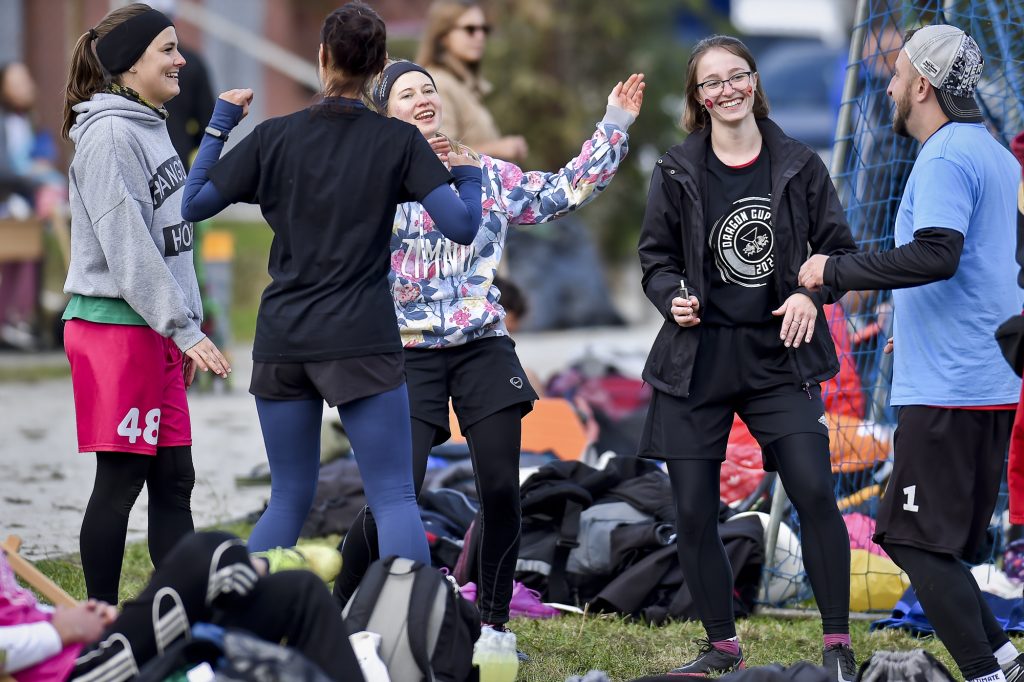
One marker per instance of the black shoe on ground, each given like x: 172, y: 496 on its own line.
x: 1015, y: 671
x: 710, y: 661
x: 839, y: 661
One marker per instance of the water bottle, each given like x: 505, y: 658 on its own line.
x: 366, y: 646
x: 495, y: 655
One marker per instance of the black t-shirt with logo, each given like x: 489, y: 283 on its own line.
x: 740, y: 241
x: 328, y: 180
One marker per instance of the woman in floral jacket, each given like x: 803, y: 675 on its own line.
x: 451, y: 320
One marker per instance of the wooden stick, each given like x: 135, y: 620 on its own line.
x: 32, y: 575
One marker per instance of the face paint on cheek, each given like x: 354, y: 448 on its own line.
x: 709, y: 104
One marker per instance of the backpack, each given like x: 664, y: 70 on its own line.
x: 569, y: 511
x: 427, y: 629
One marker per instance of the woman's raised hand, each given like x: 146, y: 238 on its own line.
x: 629, y: 95
x: 241, y: 96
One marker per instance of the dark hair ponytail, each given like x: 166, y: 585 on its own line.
x: 86, y: 76
x: 355, y: 47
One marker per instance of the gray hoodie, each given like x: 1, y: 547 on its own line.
x: 128, y: 240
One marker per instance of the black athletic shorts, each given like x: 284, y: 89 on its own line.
x: 336, y: 381
x: 481, y: 377
x: 948, y: 465
x: 738, y: 370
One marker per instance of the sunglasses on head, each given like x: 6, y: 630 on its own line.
x: 472, y: 29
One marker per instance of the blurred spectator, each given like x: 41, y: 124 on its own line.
x: 514, y: 303
x: 30, y: 185
x: 452, y: 48
x: 558, y: 265
x: 189, y: 112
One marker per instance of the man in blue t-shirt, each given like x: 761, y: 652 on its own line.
x: 954, y: 279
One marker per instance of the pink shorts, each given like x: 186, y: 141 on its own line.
x: 129, y: 388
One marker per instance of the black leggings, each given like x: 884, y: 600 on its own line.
x: 805, y: 470
x: 494, y: 444
x: 951, y: 599
x: 209, y: 578
x: 169, y: 477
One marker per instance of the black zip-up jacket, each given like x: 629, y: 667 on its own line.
x: 807, y: 219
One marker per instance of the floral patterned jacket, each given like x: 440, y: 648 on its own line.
x: 444, y: 292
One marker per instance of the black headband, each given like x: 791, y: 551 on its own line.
x: 124, y: 44
x: 392, y: 73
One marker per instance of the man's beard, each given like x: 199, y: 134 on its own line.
x: 899, y: 119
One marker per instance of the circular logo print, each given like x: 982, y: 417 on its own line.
x: 516, y: 381
x: 742, y: 242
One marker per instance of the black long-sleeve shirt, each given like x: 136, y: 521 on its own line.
x: 933, y: 255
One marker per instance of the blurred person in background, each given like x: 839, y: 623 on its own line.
x: 452, y: 49
x: 30, y: 187
x: 559, y: 265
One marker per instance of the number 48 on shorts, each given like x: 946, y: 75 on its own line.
x: 130, y: 429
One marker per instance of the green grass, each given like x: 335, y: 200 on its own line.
x: 572, y: 645
x: 32, y: 373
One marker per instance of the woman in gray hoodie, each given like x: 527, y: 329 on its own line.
x: 132, y: 326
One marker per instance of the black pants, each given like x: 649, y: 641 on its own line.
x: 169, y: 477
x: 494, y: 443
x: 208, y: 577
x: 951, y: 599
x: 805, y: 470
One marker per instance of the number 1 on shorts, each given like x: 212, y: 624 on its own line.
x: 911, y: 492
x: 129, y: 426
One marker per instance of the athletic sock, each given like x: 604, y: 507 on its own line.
x: 832, y: 640
x: 730, y: 646
x: 997, y: 676
x: 1006, y: 654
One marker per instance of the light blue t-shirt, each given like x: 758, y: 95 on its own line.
x: 946, y: 354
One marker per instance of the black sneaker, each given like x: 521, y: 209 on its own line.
x: 1015, y: 671
x: 839, y: 661
x: 710, y: 661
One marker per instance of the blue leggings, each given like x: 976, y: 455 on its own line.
x: 380, y: 432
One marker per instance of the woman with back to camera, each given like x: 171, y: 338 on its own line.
x: 731, y: 212
x: 452, y: 322
x: 452, y: 49
x: 328, y: 179
x: 132, y: 334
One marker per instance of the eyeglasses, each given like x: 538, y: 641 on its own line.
x: 738, y: 81
x: 472, y: 29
